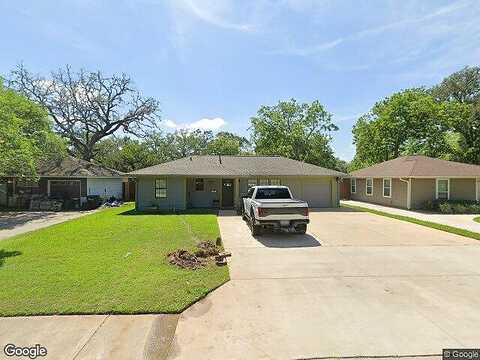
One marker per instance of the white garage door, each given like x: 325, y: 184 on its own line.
x: 106, y: 188
x: 317, y: 193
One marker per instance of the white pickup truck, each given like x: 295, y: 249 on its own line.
x: 274, y: 207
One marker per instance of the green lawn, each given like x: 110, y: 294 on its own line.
x: 477, y: 219
x: 449, y: 229
x: 113, y: 261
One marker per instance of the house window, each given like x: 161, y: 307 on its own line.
x: 387, y: 188
x: 353, y: 186
x: 443, y: 189
x: 263, y: 182
x: 251, y: 183
x: 160, y: 188
x: 274, y: 181
x: 199, y: 185
x: 369, y: 186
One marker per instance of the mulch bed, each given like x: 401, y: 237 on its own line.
x: 206, y: 250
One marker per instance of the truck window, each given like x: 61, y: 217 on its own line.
x: 274, y: 193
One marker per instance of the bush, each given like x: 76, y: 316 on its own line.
x: 445, y: 208
x: 453, y: 206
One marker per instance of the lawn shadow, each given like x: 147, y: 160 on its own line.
x: 6, y: 254
x: 286, y: 240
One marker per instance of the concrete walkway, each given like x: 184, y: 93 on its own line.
x: 356, y: 284
x: 92, y: 337
x: 19, y: 222
x: 460, y: 221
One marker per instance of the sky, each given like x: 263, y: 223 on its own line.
x: 212, y: 64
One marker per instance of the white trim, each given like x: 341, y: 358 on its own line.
x: 436, y: 187
x: 383, y: 187
x: 409, y: 192
x: 366, y: 186
x: 353, y: 180
x: 155, y: 188
x: 477, y: 189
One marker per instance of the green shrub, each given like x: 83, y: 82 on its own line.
x: 453, y: 206
x: 445, y: 208
x: 460, y: 208
x: 430, y: 205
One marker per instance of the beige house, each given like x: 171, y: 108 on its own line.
x: 206, y: 181
x: 410, y: 181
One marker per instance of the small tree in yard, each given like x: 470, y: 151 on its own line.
x: 88, y: 106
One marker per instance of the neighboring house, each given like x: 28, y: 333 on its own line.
x: 69, y: 179
x: 220, y: 181
x: 410, y: 181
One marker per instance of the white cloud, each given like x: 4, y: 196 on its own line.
x: 216, y: 13
x: 378, y: 30
x: 202, y: 124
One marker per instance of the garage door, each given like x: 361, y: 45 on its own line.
x: 106, y: 188
x: 317, y: 193
x: 64, y: 189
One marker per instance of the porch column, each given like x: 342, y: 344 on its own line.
x: 409, y: 194
x: 236, y: 199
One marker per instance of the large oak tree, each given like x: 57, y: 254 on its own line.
x: 87, y: 107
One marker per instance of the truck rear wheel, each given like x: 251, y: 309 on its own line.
x: 256, y: 230
x: 301, y: 229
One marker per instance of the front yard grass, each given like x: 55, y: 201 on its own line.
x: 449, y: 229
x: 110, y: 262
x: 477, y: 219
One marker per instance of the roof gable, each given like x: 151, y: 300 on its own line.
x: 418, y: 166
x: 229, y: 165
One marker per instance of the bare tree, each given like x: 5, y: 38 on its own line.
x: 89, y: 106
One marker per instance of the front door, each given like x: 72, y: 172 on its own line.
x: 227, y: 193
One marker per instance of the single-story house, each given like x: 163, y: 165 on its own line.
x: 220, y: 181
x: 410, y: 181
x: 70, y: 179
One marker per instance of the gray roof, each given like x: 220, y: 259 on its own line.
x: 70, y: 166
x: 418, y: 166
x: 227, y: 165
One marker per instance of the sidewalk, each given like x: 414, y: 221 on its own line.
x: 99, y: 337
x: 460, y: 221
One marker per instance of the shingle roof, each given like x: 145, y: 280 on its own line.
x: 70, y: 166
x: 418, y: 166
x: 226, y: 165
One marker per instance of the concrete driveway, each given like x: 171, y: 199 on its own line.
x: 18, y: 222
x: 462, y: 221
x: 356, y: 284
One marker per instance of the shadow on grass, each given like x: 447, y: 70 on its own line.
x: 134, y: 212
x: 6, y: 254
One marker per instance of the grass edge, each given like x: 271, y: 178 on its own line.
x: 433, y: 225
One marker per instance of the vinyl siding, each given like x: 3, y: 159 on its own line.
x: 462, y: 189
x: 423, y: 190
x: 176, y: 196
x: 398, y: 192
x: 206, y: 198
